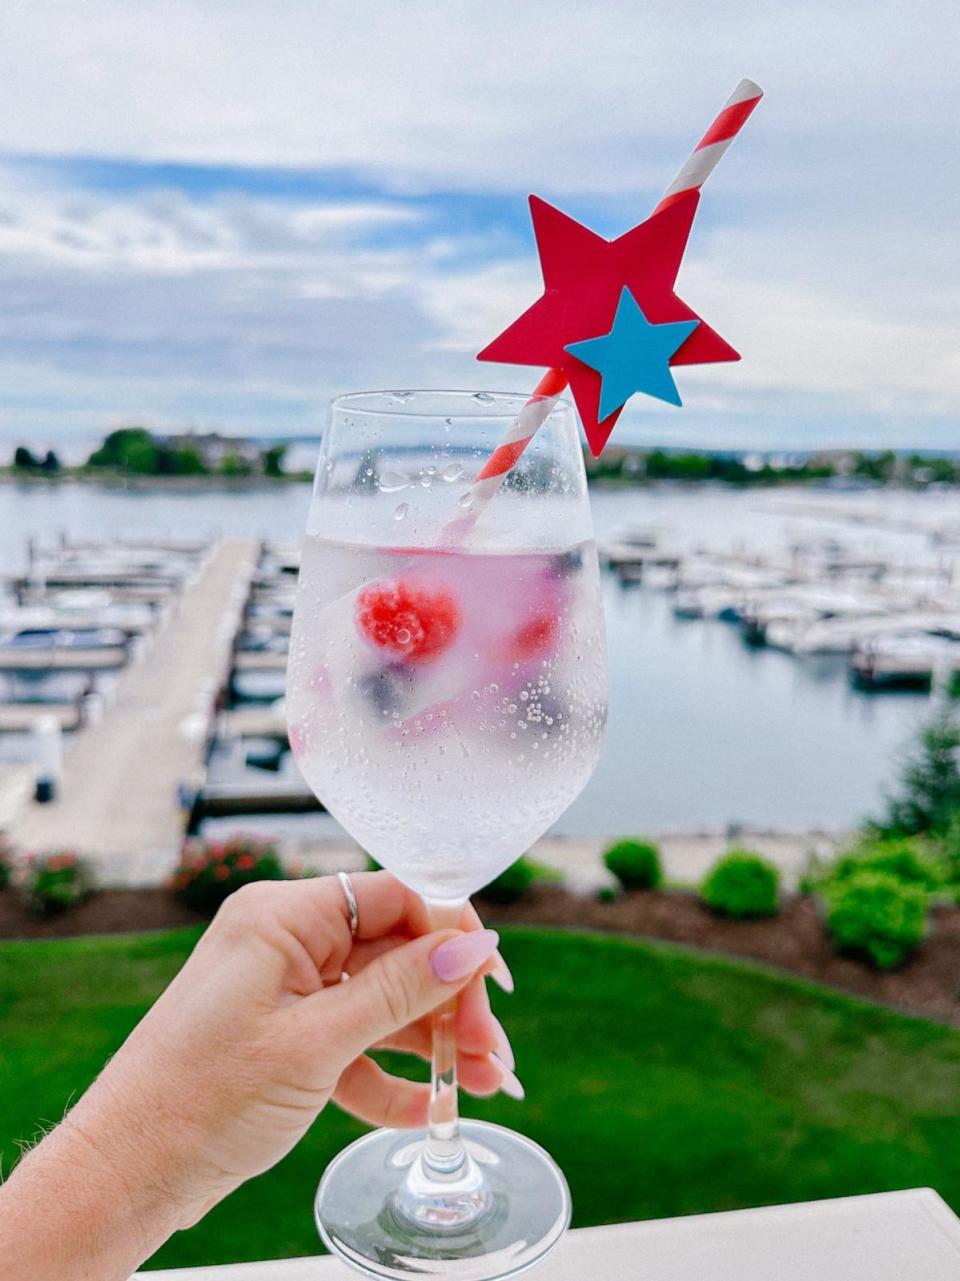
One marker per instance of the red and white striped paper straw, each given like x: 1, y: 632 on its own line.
x: 706, y: 155
x: 698, y: 168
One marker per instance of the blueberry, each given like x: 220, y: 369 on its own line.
x: 567, y: 563
x: 383, y: 689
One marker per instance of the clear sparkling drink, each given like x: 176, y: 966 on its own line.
x: 446, y: 706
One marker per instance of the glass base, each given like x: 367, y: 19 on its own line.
x: 381, y: 1211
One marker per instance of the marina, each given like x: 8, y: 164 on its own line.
x: 189, y: 724
x: 864, y: 622
x: 123, y: 790
x: 897, y: 622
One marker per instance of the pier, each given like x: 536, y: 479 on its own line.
x: 119, y: 798
x: 63, y: 659
x: 17, y: 718
x: 257, y: 660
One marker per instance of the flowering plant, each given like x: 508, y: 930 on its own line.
x: 49, y: 883
x: 210, y: 870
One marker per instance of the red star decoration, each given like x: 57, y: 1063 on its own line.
x: 583, y: 276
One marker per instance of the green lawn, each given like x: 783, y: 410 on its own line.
x: 664, y: 1082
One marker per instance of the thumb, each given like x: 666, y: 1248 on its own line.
x: 402, y: 985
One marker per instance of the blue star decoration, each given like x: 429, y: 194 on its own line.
x: 633, y: 356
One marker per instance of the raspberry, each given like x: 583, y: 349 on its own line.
x: 412, y: 622
x: 535, y: 638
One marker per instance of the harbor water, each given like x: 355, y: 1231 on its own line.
x: 704, y: 731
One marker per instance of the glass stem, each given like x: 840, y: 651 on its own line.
x: 443, y: 1151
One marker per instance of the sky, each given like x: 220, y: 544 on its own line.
x: 221, y: 213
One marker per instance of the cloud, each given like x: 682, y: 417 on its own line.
x: 476, y: 94
x: 247, y: 312
x: 395, y: 242
x: 251, y: 312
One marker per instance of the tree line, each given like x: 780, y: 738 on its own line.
x: 884, y: 467
x: 136, y: 451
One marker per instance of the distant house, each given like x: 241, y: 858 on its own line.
x: 215, y: 448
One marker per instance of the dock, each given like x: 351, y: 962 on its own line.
x: 67, y: 577
x: 260, y: 660
x: 17, y: 718
x: 253, y: 722
x: 231, y: 800
x: 16, y: 788
x: 63, y: 659
x: 119, y: 798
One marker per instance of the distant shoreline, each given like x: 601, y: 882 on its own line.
x: 188, y: 484
x: 214, y: 482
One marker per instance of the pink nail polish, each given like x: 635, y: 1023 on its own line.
x: 501, y: 974
x: 509, y: 1081
x: 460, y: 956
x: 504, y: 1048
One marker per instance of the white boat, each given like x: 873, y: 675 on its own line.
x: 708, y: 602
x: 845, y: 635
x: 129, y: 616
x: 802, y: 605
x: 635, y: 544
x: 259, y: 686
x: 907, y: 658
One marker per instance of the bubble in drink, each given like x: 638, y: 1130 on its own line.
x: 440, y: 664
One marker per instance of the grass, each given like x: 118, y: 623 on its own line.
x: 664, y: 1082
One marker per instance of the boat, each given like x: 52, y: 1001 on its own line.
x: 45, y: 638
x: 635, y: 545
x: 908, y: 659
x: 262, y: 686
x: 259, y: 640
x: 802, y: 605
x: 846, y: 635
x: 708, y: 602
x: 79, y: 608
x: 44, y: 687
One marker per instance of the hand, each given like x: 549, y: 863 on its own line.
x: 257, y: 1032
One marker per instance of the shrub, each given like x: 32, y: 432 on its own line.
x: 635, y: 864
x: 609, y: 893
x: 210, y: 871
x: 950, y: 847
x: 903, y: 858
x: 23, y: 457
x: 273, y: 460
x: 875, y: 915
x: 50, y: 883
x: 6, y: 862
x: 928, y: 795
x: 742, y: 885
x: 513, y: 882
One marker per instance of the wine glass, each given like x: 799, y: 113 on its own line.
x: 446, y: 701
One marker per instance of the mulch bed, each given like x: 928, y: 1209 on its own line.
x: 109, y: 912
x: 794, y: 941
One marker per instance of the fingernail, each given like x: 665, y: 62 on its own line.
x: 509, y: 1081
x: 501, y: 974
x: 460, y: 956
x: 504, y: 1048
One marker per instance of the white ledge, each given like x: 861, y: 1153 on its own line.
x: 891, y: 1236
